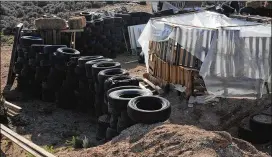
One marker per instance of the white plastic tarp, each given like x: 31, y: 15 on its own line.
x: 235, y: 53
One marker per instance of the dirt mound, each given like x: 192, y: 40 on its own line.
x: 170, y: 140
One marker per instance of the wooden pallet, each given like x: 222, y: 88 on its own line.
x: 146, y: 84
x: 175, y: 74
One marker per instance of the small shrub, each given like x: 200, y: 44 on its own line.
x: 50, y: 149
x: 75, y: 142
x: 20, y: 13
x: 86, y: 143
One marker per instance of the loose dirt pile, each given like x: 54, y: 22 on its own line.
x: 170, y: 140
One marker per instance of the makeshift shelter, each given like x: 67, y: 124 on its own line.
x: 236, y: 54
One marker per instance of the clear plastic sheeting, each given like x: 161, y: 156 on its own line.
x: 236, y: 54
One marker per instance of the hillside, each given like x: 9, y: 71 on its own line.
x: 26, y: 12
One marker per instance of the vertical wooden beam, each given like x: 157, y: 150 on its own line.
x: 54, y: 37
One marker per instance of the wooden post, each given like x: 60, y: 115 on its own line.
x: 13, y: 58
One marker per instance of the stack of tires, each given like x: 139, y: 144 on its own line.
x: 58, y: 72
x: 104, y: 36
x: 25, y: 64
x: 66, y: 97
x: 98, y: 81
x: 54, y: 77
x: 257, y: 128
x: 84, y: 94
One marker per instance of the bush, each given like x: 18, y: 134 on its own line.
x: 20, y: 13
x: 59, y: 8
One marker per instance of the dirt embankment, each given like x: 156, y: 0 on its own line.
x: 170, y: 140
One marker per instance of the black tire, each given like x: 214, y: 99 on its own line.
x: 89, y: 64
x: 119, y: 99
x: 82, y: 60
x: 96, y: 68
x: 149, y: 109
x: 87, y: 15
x: 267, y: 111
x: 120, y: 125
x: 29, y: 40
x: 35, y: 49
x: 50, y: 49
x: 261, y: 124
x: 108, y: 20
x: 104, y: 120
x: 104, y: 74
x: 79, y: 71
x: 111, y: 133
x: 126, y: 119
x: 114, y: 120
x: 101, y: 132
x: 111, y: 89
x: 245, y: 133
x: 67, y: 53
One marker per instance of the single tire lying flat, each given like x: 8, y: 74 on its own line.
x: 261, y: 124
x: 149, y: 109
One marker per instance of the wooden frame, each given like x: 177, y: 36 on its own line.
x: 14, y: 55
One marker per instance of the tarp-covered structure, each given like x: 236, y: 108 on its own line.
x: 236, y: 54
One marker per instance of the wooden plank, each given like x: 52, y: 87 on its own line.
x: 182, y: 82
x: 26, y: 142
x: 58, y: 37
x: 157, y: 88
x: 72, y: 30
x: 19, y: 143
x: 54, y: 37
x: 14, y: 55
x: 167, y: 72
x: 13, y: 107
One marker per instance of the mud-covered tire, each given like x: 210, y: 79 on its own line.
x: 119, y: 99
x: 149, y: 109
x: 245, y: 133
x: 89, y: 64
